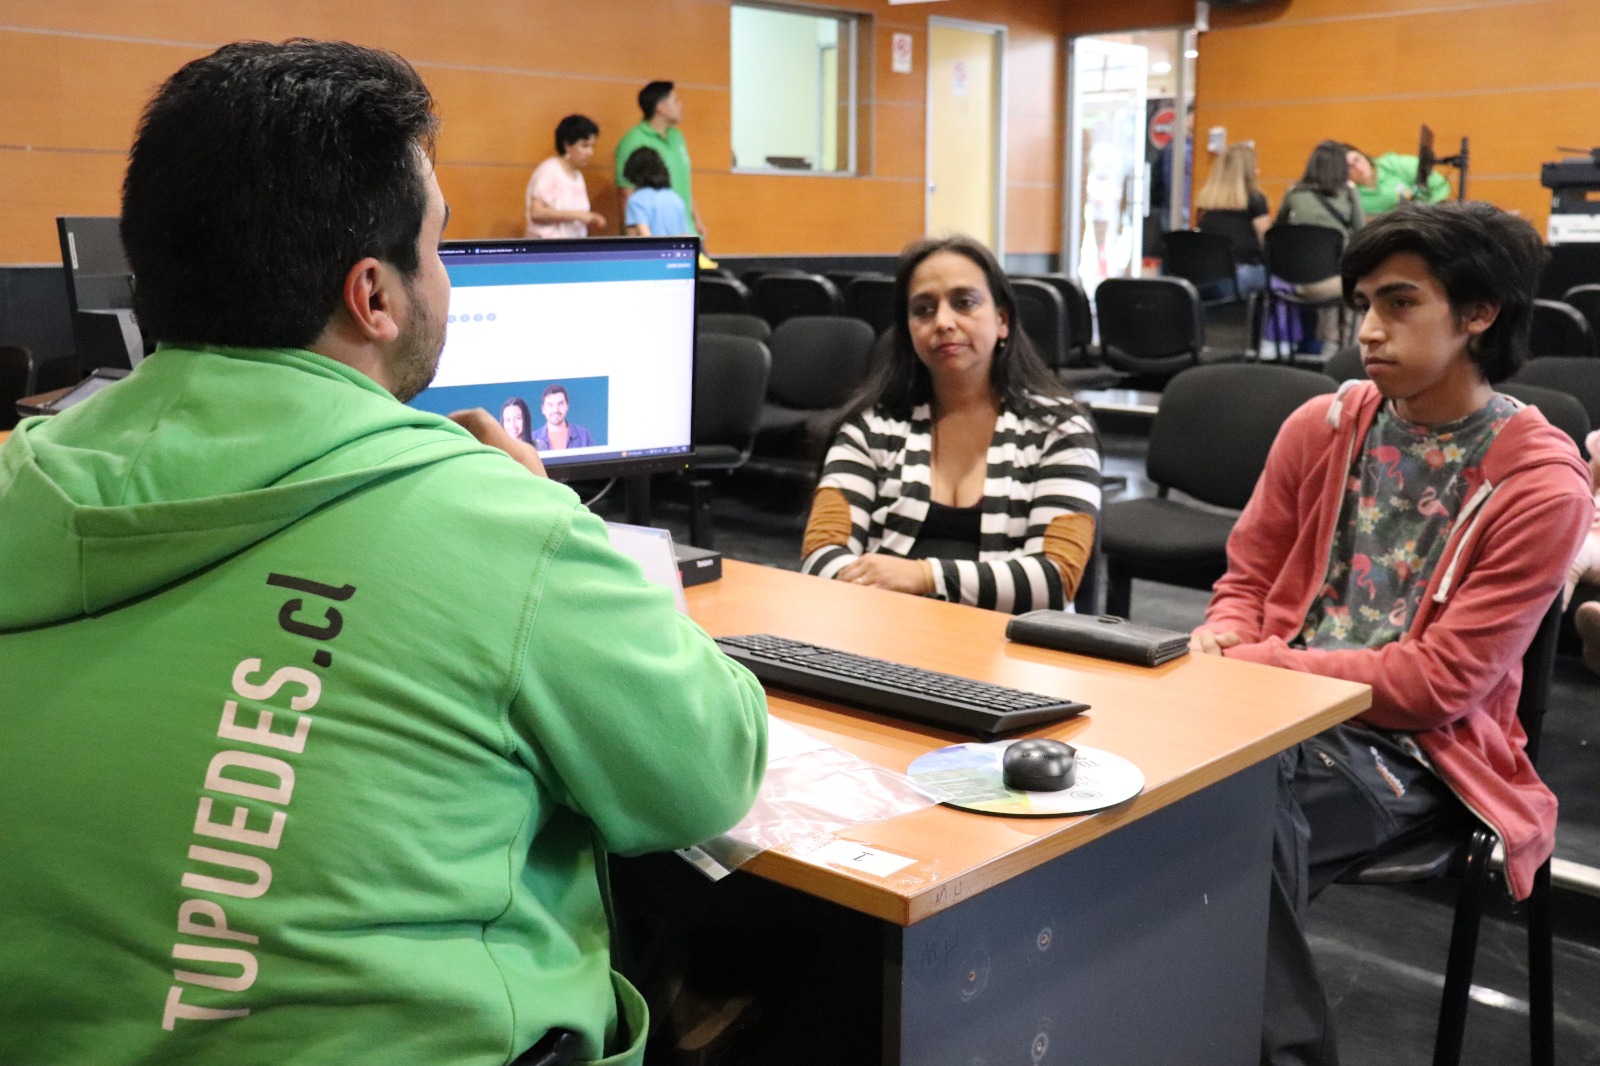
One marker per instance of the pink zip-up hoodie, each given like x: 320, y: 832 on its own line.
x: 1452, y: 680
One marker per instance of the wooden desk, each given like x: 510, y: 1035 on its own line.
x: 1139, y: 930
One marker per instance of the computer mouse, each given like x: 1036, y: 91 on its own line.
x: 1038, y: 765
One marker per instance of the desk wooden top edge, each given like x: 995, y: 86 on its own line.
x: 1328, y: 702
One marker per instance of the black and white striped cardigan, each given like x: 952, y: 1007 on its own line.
x: 1036, y: 471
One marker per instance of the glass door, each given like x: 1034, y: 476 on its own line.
x: 1107, y: 174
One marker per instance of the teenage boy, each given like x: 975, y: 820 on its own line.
x: 319, y: 715
x: 1408, y: 532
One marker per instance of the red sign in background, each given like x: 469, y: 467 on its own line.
x: 1161, y: 124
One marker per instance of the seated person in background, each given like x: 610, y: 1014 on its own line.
x: 1585, y: 570
x: 516, y: 419
x: 654, y: 209
x: 557, y: 434
x: 1232, y: 205
x: 333, y: 711
x: 557, y: 201
x: 1324, y: 197
x: 964, y: 471
x: 1384, y: 182
x: 1408, y: 533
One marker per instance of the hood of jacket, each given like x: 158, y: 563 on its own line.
x: 195, y: 456
x: 1527, y: 441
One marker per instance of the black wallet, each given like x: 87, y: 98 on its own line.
x: 1103, y: 636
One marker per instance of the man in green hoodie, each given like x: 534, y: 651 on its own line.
x: 319, y: 716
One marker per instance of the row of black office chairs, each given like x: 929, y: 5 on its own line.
x: 1302, y: 255
x: 770, y: 397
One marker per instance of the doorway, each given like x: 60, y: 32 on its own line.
x: 1129, y: 160
x: 966, y: 151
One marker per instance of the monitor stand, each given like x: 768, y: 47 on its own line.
x: 637, y: 487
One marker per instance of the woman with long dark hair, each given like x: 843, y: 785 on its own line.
x: 965, y: 471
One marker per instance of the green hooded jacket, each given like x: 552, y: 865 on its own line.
x: 316, y: 717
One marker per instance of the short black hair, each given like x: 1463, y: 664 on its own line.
x: 645, y: 169
x: 653, y: 94
x: 1327, y: 169
x: 260, y: 174
x: 551, y: 390
x: 1479, y: 253
x: 572, y: 129
x: 899, y: 381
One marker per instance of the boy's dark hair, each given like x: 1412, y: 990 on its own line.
x: 899, y: 381
x: 645, y: 169
x: 551, y: 390
x: 1479, y: 253
x: 653, y: 94
x: 1328, y: 169
x: 260, y: 175
x: 572, y: 129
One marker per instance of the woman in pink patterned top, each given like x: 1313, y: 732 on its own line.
x: 557, y: 201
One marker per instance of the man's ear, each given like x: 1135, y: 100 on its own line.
x: 372, y: 295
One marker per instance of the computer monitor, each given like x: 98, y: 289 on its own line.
x: 100, y: 292
x: 597, y: 335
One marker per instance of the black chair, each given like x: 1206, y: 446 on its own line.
x: 1151, y: 328
x: 1302, y: 255
x: 1462, y: 849
x: 781, y: 295
x: 1559, y: 329
x: 16, y: 381
x: 1576, y: 376
x: 719, y: 294
x: 1202, y: 259
x: 1206, y: 260
x: 1559, y: 409
x: 733, y: 325
x: 1209, y: 440
x: 818, y: 362
x: 1042, y: 314
x: 1345, y: 364
x: 1585, y: 299
x: 870, y: 297
x: 1080, y: 316
x: 730, y: 386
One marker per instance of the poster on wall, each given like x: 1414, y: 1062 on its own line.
x: 900, y: 53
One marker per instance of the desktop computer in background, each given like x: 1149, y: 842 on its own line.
x: 593, y: 339
x: 100, y: 293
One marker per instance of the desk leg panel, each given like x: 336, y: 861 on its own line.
x: 1144, y: 947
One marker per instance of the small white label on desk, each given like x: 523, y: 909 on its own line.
x: 853, y: 856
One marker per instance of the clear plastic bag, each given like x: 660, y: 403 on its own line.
x: 812, y: 789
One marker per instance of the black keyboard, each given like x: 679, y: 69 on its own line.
x: 899, y: 691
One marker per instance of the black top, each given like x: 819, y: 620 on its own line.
x: 948, y: 533
x: 1239, y: 227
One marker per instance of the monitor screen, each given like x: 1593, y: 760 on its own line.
x: 583, y: 347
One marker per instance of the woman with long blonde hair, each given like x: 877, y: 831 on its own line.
x: 1232, y: 204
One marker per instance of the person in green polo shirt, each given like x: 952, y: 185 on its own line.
x: 1384, y: 182
x: 663, y: 112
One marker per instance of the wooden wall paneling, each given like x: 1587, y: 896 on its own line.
x: 77, y: 72
x: 1515, y: 76
x: 799, y: 214
x: 35, y: 187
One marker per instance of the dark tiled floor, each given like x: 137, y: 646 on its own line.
x: 1381, y: 949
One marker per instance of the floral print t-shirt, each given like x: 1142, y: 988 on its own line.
x: 1405, y: 488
